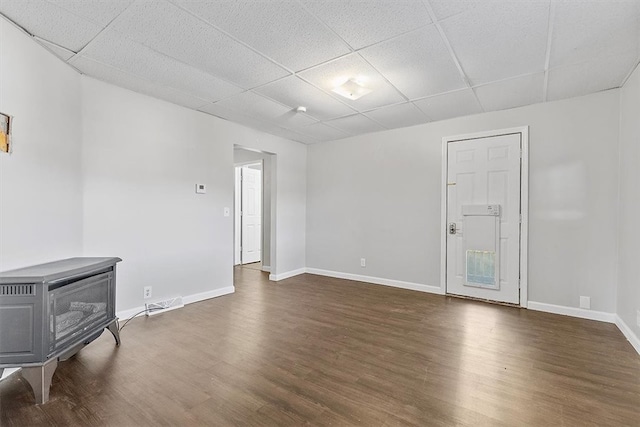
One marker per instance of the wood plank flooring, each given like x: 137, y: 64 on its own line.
x: 313, y: 350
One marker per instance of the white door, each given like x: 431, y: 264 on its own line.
x: 251, y: 212
x: 483, y: 218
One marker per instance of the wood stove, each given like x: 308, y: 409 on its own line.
x: 48, y: 312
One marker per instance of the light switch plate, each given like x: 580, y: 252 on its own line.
x: 201, y: 188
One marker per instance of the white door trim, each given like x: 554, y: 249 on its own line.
x: 524, y: 204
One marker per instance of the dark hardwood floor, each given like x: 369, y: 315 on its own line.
x: 321, y: 351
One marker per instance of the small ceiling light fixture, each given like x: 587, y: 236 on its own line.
x: 301, y: 109
x: 351, y: 89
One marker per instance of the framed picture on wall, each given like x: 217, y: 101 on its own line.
x: 5, y: 133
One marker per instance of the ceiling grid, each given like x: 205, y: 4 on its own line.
x: 255, y: 62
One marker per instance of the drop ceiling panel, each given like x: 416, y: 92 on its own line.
x: 102, y: 12
x: 589, y: 77
x: 128, y: 81
x: 332, y: 74
x: 294, y: 92
x: 498, y: 40
x: 447, y: 8
x: 362, y: 23
x: 417, y: 63
x: 58, y: 51
x: 586, y: 30
x: 50, y: 22
x: 511, y: 93
x: 176, y: 33
x: 397, y: 116
x: 323, y: 132
x: 449, y: 105
x: 112, y: 49
x: 355, y: 124
x: 282, y: 30
x: 257, y: 106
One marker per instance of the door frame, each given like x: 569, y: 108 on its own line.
x: 524, y: 203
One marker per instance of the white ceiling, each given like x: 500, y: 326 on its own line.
x: 255, y: 61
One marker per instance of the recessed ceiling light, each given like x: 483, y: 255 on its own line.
x: 351, y: 89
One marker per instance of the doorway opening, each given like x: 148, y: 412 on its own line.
x: 253, y: 206
x: 485, y: 216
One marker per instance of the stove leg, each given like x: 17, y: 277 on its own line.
x: 113, y: 328
x: 39, y: 378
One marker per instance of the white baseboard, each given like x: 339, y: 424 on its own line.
x: 189, y: 299
x: 572, y: 311
x: 287, y: 274
x: 266, y: 268
x: 628, y: 333
x: 377, y: 281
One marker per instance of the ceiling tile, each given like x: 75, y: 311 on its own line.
x: 447, y: 8
x: 176, y: 33
x: 362, y: 23
x: 295, y: 136
x: 449, y: 105
x: 281, y: 29
x: 50, y: 22
x: 128, y: 81
x: 496, y: 41
x: 99, y: 11
x: 417, y: 63
x: 255, y: 105
x: 332, y: 74
x: 112, y: 49
x: 511, y: 93
x: 323, y: 132
x: 589, y: 77
x: 295, y: 92
x: 397, y: 116
x: 355, y: 124
x: 60, y: 52
x: 583, y: 30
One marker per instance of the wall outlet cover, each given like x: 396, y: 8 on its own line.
x: 585, y: 302
x: 363, y: 262
x: 147, y: 292
x: 201, y: 188
x: 638, y: 318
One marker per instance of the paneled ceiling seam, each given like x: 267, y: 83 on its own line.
x: 324, y: 24
x: 547, y: 59
x: 79, y: 52
x: 35, y: 38
x: 248, y: 46
x: 454, y: 57
x: 624, y: 81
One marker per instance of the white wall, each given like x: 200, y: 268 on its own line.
x: 242, y: 156
x: 40, y: 182
x: 141, y: 160
x: 381, y: 200
x: 628, y: 249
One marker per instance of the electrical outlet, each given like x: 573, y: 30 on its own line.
x: 638, y: 318
x: 147, y: 292
x: 363, y: 262
x: 585, y: 302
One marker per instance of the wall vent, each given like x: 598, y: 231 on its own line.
x: 17, y: 290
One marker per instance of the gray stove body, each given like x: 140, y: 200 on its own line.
x: 48, y: 312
